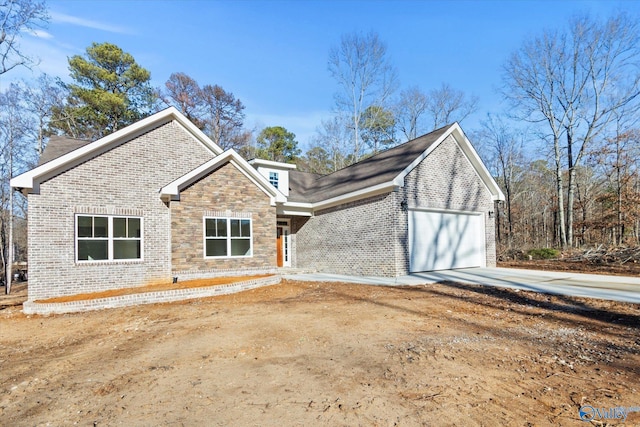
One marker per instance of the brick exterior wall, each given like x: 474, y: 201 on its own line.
x: 366, y: 237
x: 224, y: 191
x: 446, y: 180
x: 370, y: 237
x: 122, y: 181
x: 355, y: 238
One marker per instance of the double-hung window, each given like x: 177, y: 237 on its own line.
x: 108, y: 238
x: 274, y: 178
x: 227, y: 237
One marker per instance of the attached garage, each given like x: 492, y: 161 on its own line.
x: 441, y: 240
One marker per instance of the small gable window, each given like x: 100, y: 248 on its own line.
x: 227, y: 237
x: 108, y: 238
x: 273, y: 179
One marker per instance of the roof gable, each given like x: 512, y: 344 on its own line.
x: 381, y: 168
x: 172, y: 190
x: 472, y: 155
x: 30, y: 181
x: 383, y: 172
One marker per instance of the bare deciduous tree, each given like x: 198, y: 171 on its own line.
x: 217, y: 112
x: 361, y: 67
x: 333, y: 136
x: 574, y: 82
x: 446, y: 105
x: 40, y: 99
x: 16, y: 17
x: 224, y: 117
x: 184, y: 93
x: 410, y: 110
x: 13, y: 128
x: 503, y: 147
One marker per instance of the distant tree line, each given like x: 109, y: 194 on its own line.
x: 567, y: 153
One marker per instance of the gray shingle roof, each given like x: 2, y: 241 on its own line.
x: 378, y: 169
x: 59, y: 146
x: 307, y: 187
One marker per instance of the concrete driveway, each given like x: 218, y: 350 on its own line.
x: 617, y: 288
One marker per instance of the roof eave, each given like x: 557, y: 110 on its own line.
x: 478, y: 164
x: 29, y: 180
x: 464, y: 143
x: 272, y: 164
x: 295, y: 209
x: 385, y: 187
x: 172, y: 190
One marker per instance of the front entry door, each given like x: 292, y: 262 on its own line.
x: 283, y: 246
x: 279, y: 247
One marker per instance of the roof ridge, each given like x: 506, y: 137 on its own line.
x: 379, y: 153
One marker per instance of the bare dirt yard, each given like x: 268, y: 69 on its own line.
x: 303, y: 353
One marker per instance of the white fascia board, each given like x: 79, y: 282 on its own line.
x: 385, y: 187
x: 260, y: 181
x: 171, y: 191
x: 471, y: 154
x: 399, y: 180
x: 272, y: 164
x: 23, y: 181
x: 295, y: 209
x: 26, y: 180
x: 477, y: 163
x: 300, y: 205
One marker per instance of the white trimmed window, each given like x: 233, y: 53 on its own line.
x: 274, y: 178
x: 108, y: 238
x: 227, y: 237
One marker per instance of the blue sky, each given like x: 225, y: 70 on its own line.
x: 273, y: 54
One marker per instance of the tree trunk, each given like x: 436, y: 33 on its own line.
x: 620, y: 227
x: 560, y: 192
x: 570, y: 210
x: 571, y: 188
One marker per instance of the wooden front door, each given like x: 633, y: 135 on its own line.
x: 279, y: 246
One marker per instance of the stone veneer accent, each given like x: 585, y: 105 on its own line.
x: 370, y: 237
x: 224, y: 192
x: 122, y: 181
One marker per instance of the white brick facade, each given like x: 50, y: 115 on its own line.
x: 122, y: 181
x: 137, y: 172
x: 370, y: 237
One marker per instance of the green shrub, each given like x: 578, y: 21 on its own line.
x: 543, y: 253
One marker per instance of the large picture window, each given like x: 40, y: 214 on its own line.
x: 227, y: 237
x: 108, y: 238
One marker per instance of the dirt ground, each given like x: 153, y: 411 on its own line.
x: 303, y: 353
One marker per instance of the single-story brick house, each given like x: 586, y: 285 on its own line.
x: 159, y: 200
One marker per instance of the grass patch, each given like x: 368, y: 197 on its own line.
x: 543, y: 253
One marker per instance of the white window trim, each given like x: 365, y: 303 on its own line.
x: 228, y: 238
x: 275, y: 180
x: 110, y: 259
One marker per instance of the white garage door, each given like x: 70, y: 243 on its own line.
x: 444, y: 240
